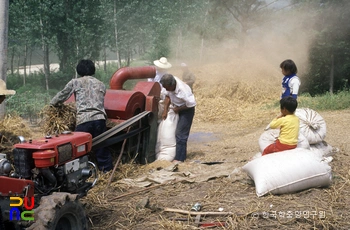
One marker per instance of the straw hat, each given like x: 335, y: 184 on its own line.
x: 4, y: 90
x: 162, y: 63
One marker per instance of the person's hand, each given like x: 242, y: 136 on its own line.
x: 176, y: 109
x: 164, y: 114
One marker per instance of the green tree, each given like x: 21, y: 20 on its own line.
x: 77, y: 30
x: 330, y: 54
x: 20, y: 33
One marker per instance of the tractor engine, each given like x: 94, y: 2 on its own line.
x: 54, y: 163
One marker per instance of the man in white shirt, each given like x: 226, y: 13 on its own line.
x: 180, y: 95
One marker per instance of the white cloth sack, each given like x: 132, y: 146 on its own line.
x: 166, y: 141
x: 288, y: 171
x: 323, y: 149
x: 269, y: 136
x: 312, y: 125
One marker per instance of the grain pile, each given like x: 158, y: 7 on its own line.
x: 235, y: 92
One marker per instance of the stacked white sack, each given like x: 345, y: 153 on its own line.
x: 311, y: 134
x: 288, y: 172
x: 313, y: 127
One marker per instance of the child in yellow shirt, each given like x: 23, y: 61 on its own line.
x: 288, y: 123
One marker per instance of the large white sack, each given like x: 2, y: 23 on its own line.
x: 166, y: 141
x: 312, y: 125
x: 323, y: 149
x: 269, y: 136
x: 288, y: 171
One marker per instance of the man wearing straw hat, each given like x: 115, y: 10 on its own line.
x: 4, y: 91
x: 162, y: 66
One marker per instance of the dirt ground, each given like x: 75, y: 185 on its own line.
x: 228, y: 123
x: 234, y: 144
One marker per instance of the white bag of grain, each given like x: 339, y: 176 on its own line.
x: 288, y: 172
x: 323, y: 149
x: 312, y: 125
x: 166, y: 141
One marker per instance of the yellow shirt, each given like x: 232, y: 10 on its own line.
x: 289, y: 129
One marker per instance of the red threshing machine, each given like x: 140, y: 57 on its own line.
x: 56, y: 171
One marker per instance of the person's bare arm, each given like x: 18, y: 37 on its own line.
x: 166, y: 107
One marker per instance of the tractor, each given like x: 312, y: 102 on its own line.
x: 42, y: 180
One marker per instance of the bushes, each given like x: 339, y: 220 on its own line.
x: 28, y: 102
x: 327, y: 101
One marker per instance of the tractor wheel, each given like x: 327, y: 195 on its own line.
x: 59, y: 211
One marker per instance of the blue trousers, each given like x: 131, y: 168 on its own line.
x: 182, y: 133
x: 103, y: 156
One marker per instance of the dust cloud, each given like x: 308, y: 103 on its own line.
x: 232, y: 82
x: 287, y: 34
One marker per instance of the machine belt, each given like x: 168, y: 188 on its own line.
x: 119, y: 138
x: 116, y: 129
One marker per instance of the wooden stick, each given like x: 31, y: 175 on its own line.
x: 142, y: 190
x: 197, y: 213
x: 116, y: 164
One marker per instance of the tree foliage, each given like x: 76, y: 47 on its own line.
x: 330, y: 53
x: 76, y: 29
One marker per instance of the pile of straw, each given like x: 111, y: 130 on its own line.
x: 11, y: 127
x: 57, y: 119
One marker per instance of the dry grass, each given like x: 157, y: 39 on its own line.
x: 58, y: 119
x: 324, y: 208
x: 11, y: 127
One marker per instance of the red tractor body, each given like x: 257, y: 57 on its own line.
x: 59, y: 149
